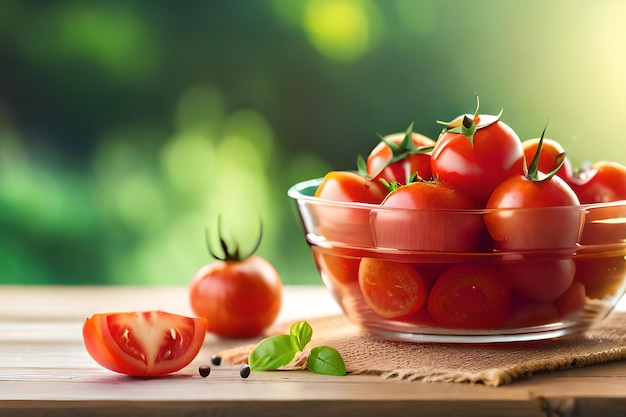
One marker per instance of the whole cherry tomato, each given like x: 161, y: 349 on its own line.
x: 239, y: 296
x: 144, y: 344
x: 399, y: 156
x: 391, y: 289
x: 557, y: 225
x: 431, y: 215
x: 470, y: 296
x: 602, y: 182
x: 349, y: 186
x: 347, y: 224
x: 476, y: 153
x: 541, y: 280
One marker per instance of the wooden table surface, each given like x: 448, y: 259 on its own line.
x: 45, y: 371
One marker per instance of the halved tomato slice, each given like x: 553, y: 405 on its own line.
x: 144, y: 344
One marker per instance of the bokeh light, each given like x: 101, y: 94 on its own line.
x: 126, y: 128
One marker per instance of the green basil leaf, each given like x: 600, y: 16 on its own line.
x: 326, y: 360
x: 301, y: 333
x: 272, y: 353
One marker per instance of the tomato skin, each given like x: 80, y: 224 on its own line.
x: 141, y: 343
x: 533, y: 229
x: 572, y: 302
x: 340, y: 269
x: 346, y: 224
x: 551, y: 152
x: 604, y: 181
x: 470, y: 296
x: 527, y: 313
x: 349, y: 186
x: 391, y: 289
x: 400, y: 171
x: 239, y: 299
x: 433, y: 219
x: 542, y: 280
x: 477, y: 169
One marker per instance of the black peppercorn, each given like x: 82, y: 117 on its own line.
x: 244, y: 371
x: 216, y: 360
x: 204, y: 370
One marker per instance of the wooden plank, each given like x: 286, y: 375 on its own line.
x: 45, y: 371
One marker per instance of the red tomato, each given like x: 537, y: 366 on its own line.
x: 238, y: 298
x: 557, y: 225
x: 527, y: 313
x: 542, y: 280
x: 144, y: 344
x: 470, y: 296
x: 476, y: 163
x: 340, y: 269
x: 347, y: 224
x: 572, y: 302
x: 434, y: 217
x: 400, y: 155
x: 552, y: 153
x: 391, y: 289
x: 349, y: 186
x: 604, y: 181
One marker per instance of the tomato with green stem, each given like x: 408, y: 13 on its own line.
x: 143, y: 344
x: 475, y: 153
x: 554, y: 221
x: 399, y: 156
x: 238, y: 295
x: 552, y: 155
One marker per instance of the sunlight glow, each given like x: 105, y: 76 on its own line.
x: 339, y: 29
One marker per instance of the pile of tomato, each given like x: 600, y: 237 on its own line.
x: 477, y: 163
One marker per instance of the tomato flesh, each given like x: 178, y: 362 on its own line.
x: 143, y: 344
x: 391, y: 289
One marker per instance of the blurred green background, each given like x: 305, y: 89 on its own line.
x: 126, y: 126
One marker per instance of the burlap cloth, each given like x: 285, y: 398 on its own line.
x: 489, y: 364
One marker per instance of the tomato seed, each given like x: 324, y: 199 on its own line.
x: 245, y: 370
x: 216, y: 360
x: 204, y: 370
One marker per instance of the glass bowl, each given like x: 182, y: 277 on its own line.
x: 451, y: 276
